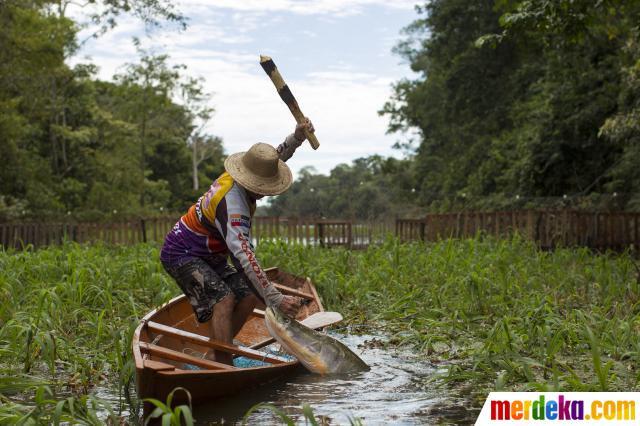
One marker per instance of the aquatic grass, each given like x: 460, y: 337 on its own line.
x: 566, y: 319
x: 495, y: 314
x: 71, y: 312
x: 169, y: 415
x: 46, y: 409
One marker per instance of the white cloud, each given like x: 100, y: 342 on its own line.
x: 303, y: 7
x: 341, y: 100
x: 343, y: 107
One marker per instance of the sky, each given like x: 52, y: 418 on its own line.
x: 335, y: 55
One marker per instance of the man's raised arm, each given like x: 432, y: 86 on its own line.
x: 294, y: 140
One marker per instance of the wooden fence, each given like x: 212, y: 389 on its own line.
x: 325, y: 233
x: 610, y: 230
x: 562, y: 228
x: 19, y: 235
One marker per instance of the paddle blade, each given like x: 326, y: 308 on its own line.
x: 321, y: 320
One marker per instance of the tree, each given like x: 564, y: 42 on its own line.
x: 149, y: 86
x: 31, y: 103
x: 73, y: 144
x: 461, y: 99
x: 103, y: 14
x: 203, y: 147
x: 623, y: 129
x: 370, y: 188
x: 516, y: 99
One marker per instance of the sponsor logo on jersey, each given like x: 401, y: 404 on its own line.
x: 260, y: 275
x: 240, y: 220
x: 176, y: 229
x: 199, y: 209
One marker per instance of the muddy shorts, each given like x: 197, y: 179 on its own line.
x: 205, y: 283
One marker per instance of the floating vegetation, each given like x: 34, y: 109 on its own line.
x: 168, y: 414
x: 498, y: 314
x: 493, y: 314
x: 67, y: 318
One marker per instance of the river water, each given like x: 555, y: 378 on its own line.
x: 397, y: 390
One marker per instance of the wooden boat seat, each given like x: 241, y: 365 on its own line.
x: 207, y: 342
x: 172, y: 355
x: 291, y: 291
x: 158, y: 365
x: 169, y: 343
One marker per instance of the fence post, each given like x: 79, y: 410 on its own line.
x: 322, y: 233
x: 635, y: 227
x: 565, y: 232
x: 613, y: 230
x: 597, y: 231
x: 317, y: 231
x: 143, y: 230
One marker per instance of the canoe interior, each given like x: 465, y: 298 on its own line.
x: 162, y: 360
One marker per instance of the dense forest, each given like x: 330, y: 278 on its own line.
x: 74, y: 145
x: 530, y: 103
x: 516, y: 104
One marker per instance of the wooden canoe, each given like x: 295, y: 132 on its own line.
x: 169, y: 342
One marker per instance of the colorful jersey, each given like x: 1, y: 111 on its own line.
x: 219, y: 225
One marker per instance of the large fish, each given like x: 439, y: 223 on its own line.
x: 318, y: 352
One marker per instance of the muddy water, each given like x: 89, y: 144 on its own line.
x: 397, y: 390
x: 393, y: 391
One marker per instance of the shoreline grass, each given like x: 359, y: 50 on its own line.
x: 500, y: 314
x: 497, y: 314
x: 69, y: 314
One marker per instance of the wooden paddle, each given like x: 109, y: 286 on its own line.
x: 315, y: 321
x: 321, y: 320
x: 285, y: 94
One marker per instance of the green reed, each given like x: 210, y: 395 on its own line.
x: 494, y: 314
x: 168, y: 414
x: 68, y: 315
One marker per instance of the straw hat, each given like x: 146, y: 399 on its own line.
x: 259, y: 170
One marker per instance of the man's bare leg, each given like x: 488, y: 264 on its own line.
x: 242, y: 311
x: 222, y: 327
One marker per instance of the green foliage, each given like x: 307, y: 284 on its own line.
x: 45, y: 409
x: 623, y: 129
x: 71, y: 317
x: 460, y: 101
x: 491, y: 312
x: 371, y: 188
x: 75, y: 144
x: 169, y: 415
x: 537, y: 98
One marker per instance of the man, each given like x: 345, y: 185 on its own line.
x: 218, y: 226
